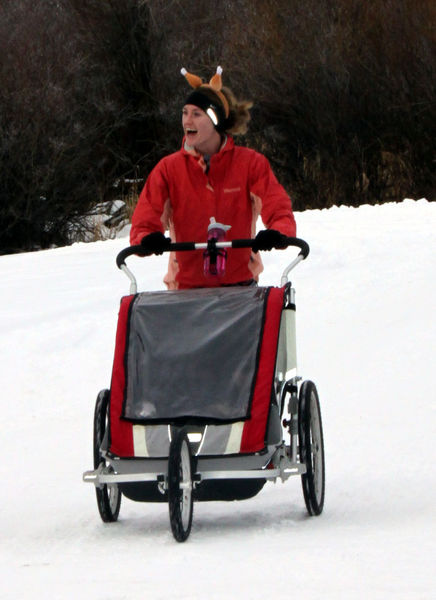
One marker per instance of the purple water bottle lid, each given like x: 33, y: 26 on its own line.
x: 214, y: 225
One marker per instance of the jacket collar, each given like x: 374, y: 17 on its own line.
x: 226, y: 145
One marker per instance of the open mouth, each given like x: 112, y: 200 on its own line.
x: 190, y: 131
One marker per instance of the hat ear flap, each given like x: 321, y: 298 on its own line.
x: 216, y: 82
x: 193, y: 80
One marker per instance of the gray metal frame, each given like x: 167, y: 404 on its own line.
x: 279, y: 462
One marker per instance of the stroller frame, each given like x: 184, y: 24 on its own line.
x: 178, y: 478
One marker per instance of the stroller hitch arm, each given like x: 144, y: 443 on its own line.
x: 210, y: 245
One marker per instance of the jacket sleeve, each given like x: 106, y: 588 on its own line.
x: 148, y: 215
x: 276, y: 206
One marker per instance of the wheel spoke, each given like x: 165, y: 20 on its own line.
x: 180, y: 496
x: 311, y: 451
x: 109, y: 496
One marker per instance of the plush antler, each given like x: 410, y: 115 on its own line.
x: 193, y: 80
x: 216, y: 82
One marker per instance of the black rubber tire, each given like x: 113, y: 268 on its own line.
x: 311, y: 444
x: 180, y: 499
x: 109, y: 495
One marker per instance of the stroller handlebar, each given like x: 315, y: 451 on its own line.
x: 185, y: 246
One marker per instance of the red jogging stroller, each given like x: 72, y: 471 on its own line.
x: 205, y: 402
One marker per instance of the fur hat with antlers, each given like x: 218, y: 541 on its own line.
x: 209, y: 97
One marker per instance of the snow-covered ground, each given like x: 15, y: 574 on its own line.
x: 366, y: 336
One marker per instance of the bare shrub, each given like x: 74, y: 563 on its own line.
x: 346, y: 85
x: 74, y: 113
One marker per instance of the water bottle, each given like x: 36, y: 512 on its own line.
x: 214, y: 259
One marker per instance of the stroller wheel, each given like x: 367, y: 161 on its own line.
x: 311, y: 448
x: 180, y: 496
x: 108, y: 496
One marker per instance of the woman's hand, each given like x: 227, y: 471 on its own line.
x: 267, y: 239
x: 155, y: 243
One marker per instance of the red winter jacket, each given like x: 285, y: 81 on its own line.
x: 238, y: 186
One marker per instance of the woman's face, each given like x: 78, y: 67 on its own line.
x: 198, y: 128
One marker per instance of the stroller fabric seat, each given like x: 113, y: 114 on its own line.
x: 204, y: 356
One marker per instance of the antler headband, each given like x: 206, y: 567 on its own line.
x: 215, y: 84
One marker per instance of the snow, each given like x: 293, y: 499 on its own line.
x: 366, y: 331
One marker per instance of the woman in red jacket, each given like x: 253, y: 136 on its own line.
x: 212, y: 178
